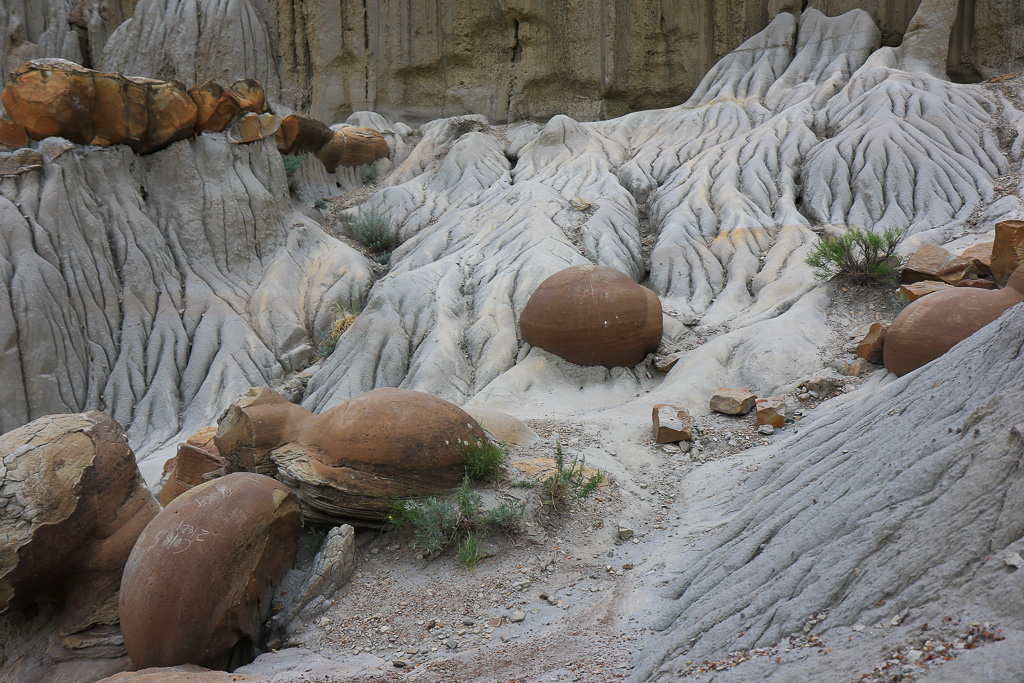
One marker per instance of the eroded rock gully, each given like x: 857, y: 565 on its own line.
x: 159, y: 288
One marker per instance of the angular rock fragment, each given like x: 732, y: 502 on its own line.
x: 252, y: 97
x: 593, y: 315
x: 916, y: 290
x: 253, y: 127
x: 299, y: 133
x: 859, y: 367
x: 870, y: 348
x: 1007, y: 250
x: 54, y: 97
x: 928, y: 328
x: 12, y: 134
x: 733, y: 401
x: 771, y: 411
x: 197, y: 457
x: 216, y: 106
x: 980, y: 256
x: 19, y: 161
x: 197, y: 586
x: 355, y: 459
x: 350, y: 146
x: 331, y: 569
x: 932, y: 262
x: 74, y: 504
x: 978, y: 284
x: 671, y: 424
x: 187, y: 673
x: 822, y: 385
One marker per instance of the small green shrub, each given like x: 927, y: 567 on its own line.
x: 506, y: 516
x: 320, y: 204
x: 486, y: 461
x: 467, y: 500
x: 861, y: 255
x: 292, y: 164
x: 383, y: 259
x: 370, y: 175
x: 469, y: 550
x: 436, y: 524
x: 569, y: 482
x: 373, y: 229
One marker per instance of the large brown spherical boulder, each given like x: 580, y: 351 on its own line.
x: 72, y: 503
x: 352, y: 461
x: 593, y: 315
x: 198, y: 583
x: 934, y: 324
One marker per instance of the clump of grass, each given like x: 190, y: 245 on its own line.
x: 341, y: 319
x: 370, y: 175
x: 486, y: 461
x: 863, y: 256
x: 320, y: 204
x: 569, y: 482
x: 372, y: 228
x: 469, y: 550
x: 292, y: 164
x: 437, y: 524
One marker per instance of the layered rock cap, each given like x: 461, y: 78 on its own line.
x: 353, y: 460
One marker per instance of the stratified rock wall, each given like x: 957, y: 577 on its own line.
x: 511, y: 59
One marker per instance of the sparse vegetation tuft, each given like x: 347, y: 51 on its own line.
x: 469, y: 550
x: 372, y: 228
x: 342, y: 318
x: 437, y: 524
x: 486, y: 461
x: 320, y: 204
x: 569, y: 482
x: 863, y: 256
x: 292, y: 164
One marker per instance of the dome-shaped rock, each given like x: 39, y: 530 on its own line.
x: 593, y: 315
x: 353, y: 460
x: 198, y: 583
x: 934, y: 324
x: 182, y: 674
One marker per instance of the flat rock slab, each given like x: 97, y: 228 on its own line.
x: 733, y: 401
x: 932, y: 262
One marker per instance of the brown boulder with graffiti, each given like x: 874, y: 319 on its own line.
x: 74, y: 504
x: 198, y: 584
x: 350, y: 146
x: 593, y: 315
x: 350, y: 463
x: 930, y: 326
x: 56, y: 97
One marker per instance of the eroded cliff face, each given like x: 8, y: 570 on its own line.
x: 505, y: 59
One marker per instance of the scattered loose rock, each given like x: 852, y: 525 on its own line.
x: 870, y: 348
x: 733, y: 401
x: 1007, y: 250
x: 771, y: 411
x: 931, y: 262
x: 671, y: 424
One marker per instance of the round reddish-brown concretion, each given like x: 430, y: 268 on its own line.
x: 934, y: 324
x: 593, y: 315
x: 198, y: 583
